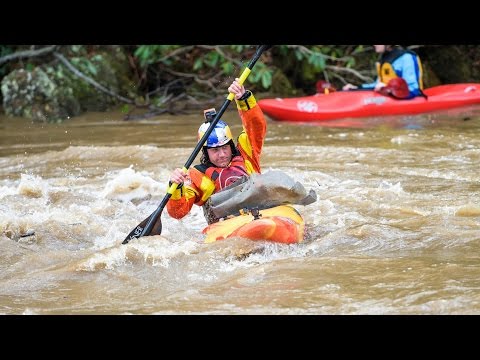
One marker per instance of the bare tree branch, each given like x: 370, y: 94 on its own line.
x: 176, y: 52
x: 89, y: 80
x: 27, y: 54
x: 306, y: 50
x: 220, y: 51
x: 164, y: 88
x: 195, y: 77
x: 352, y: 71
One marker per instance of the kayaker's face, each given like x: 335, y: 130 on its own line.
x: 220, y: 156
x: 380, y: 48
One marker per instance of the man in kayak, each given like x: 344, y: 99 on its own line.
x: 224, y: 165
x: 399, y: 73
x: 222, y: 162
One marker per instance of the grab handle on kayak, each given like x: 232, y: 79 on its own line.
x: 255, y: 212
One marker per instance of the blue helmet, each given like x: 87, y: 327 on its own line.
x: 220, y: 135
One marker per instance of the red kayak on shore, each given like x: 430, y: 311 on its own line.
x: 367, y: 103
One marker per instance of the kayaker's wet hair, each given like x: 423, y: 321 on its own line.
x: 205, y: 159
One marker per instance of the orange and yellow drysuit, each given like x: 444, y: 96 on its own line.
x: 205, y: 180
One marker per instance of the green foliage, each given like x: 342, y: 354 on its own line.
x: 150, y: 54
x: 227, y: 68
x: 84, y: 65
x: 317, y: 60
x: 303, y: 63
x: 283, y: 50
x: 238, y: 48
x: 76, y: 48
x: 298, y: 55
x: 263, y: 75
x: 358, y: 49
x: 174, y: 69
x: 198, y: 64
x: 211, y: 59
x: 204, y: 61
x: 4, y: 50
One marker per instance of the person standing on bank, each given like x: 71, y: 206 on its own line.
x: 399, y: 73
x: 222, y: 162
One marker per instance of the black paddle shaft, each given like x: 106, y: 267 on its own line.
x: 224, y: 107
x: 154, y: 220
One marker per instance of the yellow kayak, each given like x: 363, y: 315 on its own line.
x: 282, y: 224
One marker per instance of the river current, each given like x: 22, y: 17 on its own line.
x: 395, y: 229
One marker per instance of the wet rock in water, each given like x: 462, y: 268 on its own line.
x: 28, y: 237
x: 53, y: 93
x: 28, y: 233
x: 17, y: 234
x: 32, y: 94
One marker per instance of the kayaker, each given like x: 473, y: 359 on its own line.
x: 399, y: 73
x: 222, y: 162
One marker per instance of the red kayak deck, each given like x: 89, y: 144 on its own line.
x: 367, y: 103
x: 281, y: 224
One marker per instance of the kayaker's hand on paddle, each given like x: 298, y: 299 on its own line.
x: 178, y: 176
x: 237, y: 89
x: 349, y: 87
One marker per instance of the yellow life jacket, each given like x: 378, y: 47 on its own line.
x: 385, y: 70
